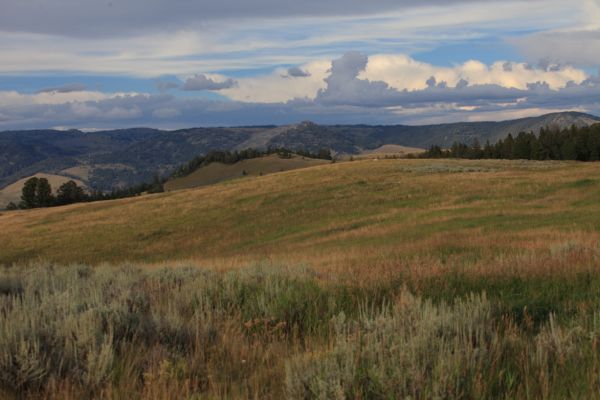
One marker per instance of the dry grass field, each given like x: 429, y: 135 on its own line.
x: 371, y: 279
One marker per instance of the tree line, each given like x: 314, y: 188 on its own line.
x: 574, y: 143
x: 228, y: 157
x: 37, y: 193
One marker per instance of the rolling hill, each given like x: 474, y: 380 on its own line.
x: 332, y: 215
x: 217, y: 172
x: 108, y: 159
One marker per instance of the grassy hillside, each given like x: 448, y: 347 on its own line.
x: 371, y: 279
x: 335, y: 215
x: 217, y: 172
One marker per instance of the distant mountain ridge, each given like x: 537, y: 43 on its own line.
x: 109, y: 159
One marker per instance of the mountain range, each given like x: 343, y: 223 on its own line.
x: 108, y: 159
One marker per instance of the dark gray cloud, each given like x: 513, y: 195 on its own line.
x: 68, y: 88
x: 202, y: 82
x: 112, y: 17
x: 297, y: 72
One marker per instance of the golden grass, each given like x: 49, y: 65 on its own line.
x: 333, y: 217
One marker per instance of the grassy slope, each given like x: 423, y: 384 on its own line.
x: 218, y: 172
x: 337, y: 216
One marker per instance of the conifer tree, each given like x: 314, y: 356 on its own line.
x: 28, y: 193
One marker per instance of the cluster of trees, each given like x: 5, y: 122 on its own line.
x: 37, y: 193
x: 228, y: 157
x: 582, y: 144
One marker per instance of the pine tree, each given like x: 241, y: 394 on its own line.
x: 43, y: 193
x: 69, y: 193
x: 508, y: 148
x: 522, y: 147
x: 28, y: 193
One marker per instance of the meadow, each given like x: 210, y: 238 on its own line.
x: 371, y: 279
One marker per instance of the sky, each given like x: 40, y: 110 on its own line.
x: 170, y: 64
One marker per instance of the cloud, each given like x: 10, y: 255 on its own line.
x: 166, y: 113
x: 577, y: 47
x: 13, y: 98
x: 100, y: 18
x: 68, y: 88
x: 165, y: 85
x: 575, y: 42
x: 149, y: 45
x: 353, y: 88
x: 403, y: 72
x: 202, y: 82
x: 377, y: 105
x: 345, y: 87
x: 277, y: 87
x: 398, y: 72
x: 297, y: 72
